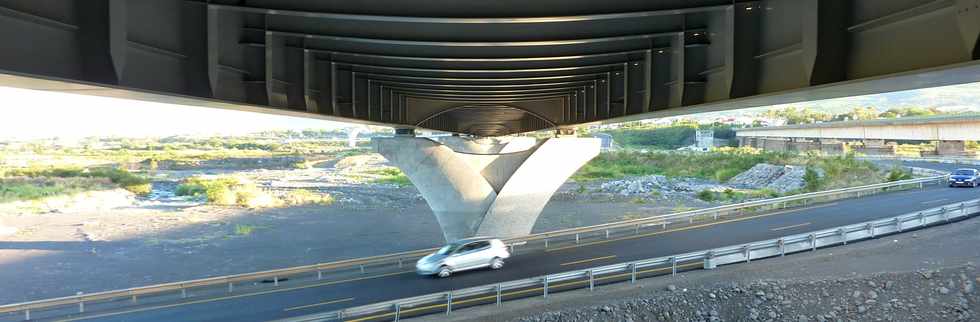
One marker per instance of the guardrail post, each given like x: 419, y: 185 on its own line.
x: 716, y: 215
x: 81, y: 307
x: 782, y: 247
x: 673, y: 266
x: 922, y: 219
x: 607, y: 233
x: 748, y: 253
x: 27, y: 315
x: 804, y: 203
x: 133, y: 299
x: 399, y: 262
x: 319, y: 275
x: 632, y: 273
x: 231, y: 287
x: 183, y: 292
x: 545, y: 287
x: 637, y: 232
x: 871, y: 230
x: 898, y: 224
x: 943, y: 212
x: 709, y: 262
x: 576, y: 238
x: 498, y: 294
x: 449, y: 302
x: 591, y: 280
x: 275, y: 280
x: 398, y: 311
x: 813, y: 242
x: 362, y: 268
x: 843, y: 235
x: 546, y: 243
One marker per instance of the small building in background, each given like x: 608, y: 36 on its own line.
x: 605, y: 140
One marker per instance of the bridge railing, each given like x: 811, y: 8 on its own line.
x: 244, y: 283
x: 446, y: 302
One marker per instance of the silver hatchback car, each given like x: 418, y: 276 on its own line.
x: 464, y: 254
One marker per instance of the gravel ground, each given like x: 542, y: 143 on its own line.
x: 925, y: 275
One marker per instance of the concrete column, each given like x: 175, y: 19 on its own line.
x: 877, y: 147
x: 487, y: 187
x: 775, y: 144
x: 832, y: 146
x: 951, y: 148
x: 869, y: 143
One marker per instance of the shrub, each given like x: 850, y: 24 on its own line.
x: 187, y: 189
x: 244, y: 230
x: 222, y: 196
x: 897, y: 174
x: 723, y: 175
x: 391, y: 176
x: 707, y: 195
x: 140, y: 189
x: 250, y: 196
x: 304, y: 197
x: 125, y: 179
x: 813, y: 180
x: 19, y: 189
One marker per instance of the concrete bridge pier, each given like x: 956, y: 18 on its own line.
x: 487, y: 187
x: 951, y: 148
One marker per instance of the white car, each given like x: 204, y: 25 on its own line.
x: 464, y: 254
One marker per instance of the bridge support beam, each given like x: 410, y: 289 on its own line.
x: 500, y: 193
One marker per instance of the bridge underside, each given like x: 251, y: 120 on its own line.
x: 487, y: 68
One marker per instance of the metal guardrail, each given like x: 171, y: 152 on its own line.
x: 947, y: 159
x: 231, y: 282
x: 707, y: 259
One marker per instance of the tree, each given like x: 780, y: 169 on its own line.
x: 910, y: 112
x: 858, y: 114
x: 794, y: 115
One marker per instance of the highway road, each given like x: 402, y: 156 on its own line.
x: 307, y: 297
x: 302, y: 299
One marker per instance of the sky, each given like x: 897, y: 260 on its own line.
x: 28, y: 114
x: 964, y: 97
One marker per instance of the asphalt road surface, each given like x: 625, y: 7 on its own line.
x: 311, y: 298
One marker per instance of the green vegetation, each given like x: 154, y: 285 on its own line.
x: 20, y: 189
x: 244, y: 230
x: 910, y: 112
x: 838, y: 171
x: 168, y: 152
x: 794, y: 115
x: 823, y: 172
x: 722, y: 165
x: 898, y: 174
x: 678, y: 135
x: 391, y: 176
x: 120, y: 177
x: 731, y: 195
x: 232, y: 191
x: 305, y: 197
